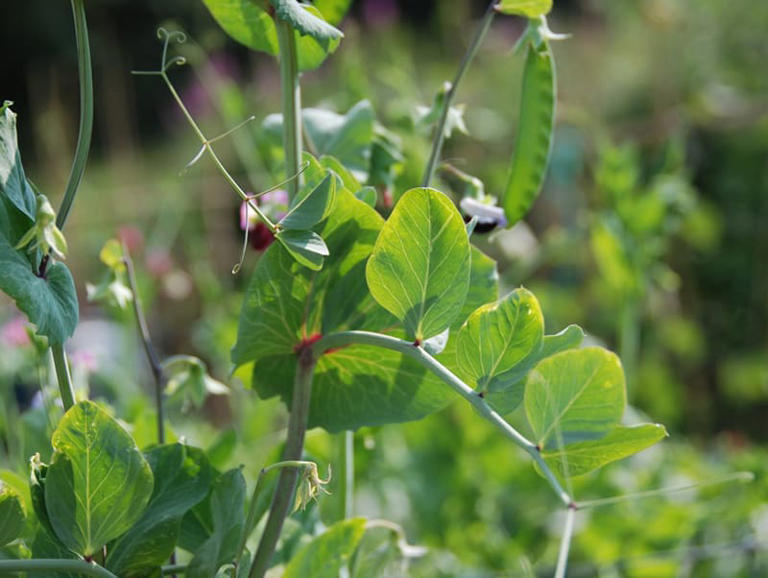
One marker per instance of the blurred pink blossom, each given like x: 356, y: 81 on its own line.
x: 14, y: 333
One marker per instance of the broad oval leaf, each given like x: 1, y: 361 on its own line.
x: 575, y: 395
x: 497, y: 337
x: 12, y: 517
x: 307, y: 247
x: 527, y: 8
x: 580, y: 458
x: 182, y: 480
x: 313, y: 207
x: 98, y: 483
x: 419, y: 268
x: 328, y: 553
x: 50, y: 303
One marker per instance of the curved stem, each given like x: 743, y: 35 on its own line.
x: 54, y: 565
x: 294, y: 446
x: 291, y: 91
x: 86, y: 111
x: 565, y: 543
x: 63, y: 376
x: 469, y: 55
x: 415, y: 352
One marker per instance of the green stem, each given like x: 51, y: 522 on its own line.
x: 54, y: 565
x: 469, y: 55
x: 349, y: 474
x: 173, y: 569
x: 294, y: 446
x: 565, y: 544
x: 291, y: 91
x: 63, y: 376
x: 408, y: 348
x: 629, y: 337
x: 86, y: 111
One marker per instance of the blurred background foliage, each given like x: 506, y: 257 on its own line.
x: 650, y: 233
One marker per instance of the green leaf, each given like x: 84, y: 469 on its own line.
x: 583, y: 457
x: 311, y: 51
x: 357, y: 386
x: 12, y: 517
x: 347, y: 178
x: 286, y: 302
x: 527, y: 8
x: 507, y: 401
x: 182, y: 480
x: 307, y: 247
x: 98, y: 483
x: 368, y: 195
x: 333, y: 11
x: 227, y: 509
x: 246, y: 22
x: 328, y: 553
x: 49, y: 303
x: 574, y: 396
x: 313, y: 207
x: 13, y: 182
x: 497, y: 337
x: 306, y: 22
x: 419, y: 268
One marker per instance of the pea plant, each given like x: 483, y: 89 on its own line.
x: 351, y: 319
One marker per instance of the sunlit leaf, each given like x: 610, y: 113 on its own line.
x: 328, y: 553
x: 306, y: 247
x: 313, y: 207
x: 527, y: 8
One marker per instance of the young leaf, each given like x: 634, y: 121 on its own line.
x: 307, y: 247
x: 497, y: 337
x: 527, y: 8
x: 419, y: 268
x: 313, y: 207
x: 12, y: 518
x: 50, y: 303
x: 247, y: 22
x: 328, y: 553
x: 13, y: 182
x: 182, y: 480
x: 304, y: 21
x: 368, y: 195
x: 584, y: 457
x: 98, y: 483
x: 227, y: 509
x: 575, y: 396
x: 333, y: 11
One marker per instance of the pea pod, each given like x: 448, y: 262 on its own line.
x: 534, y: 135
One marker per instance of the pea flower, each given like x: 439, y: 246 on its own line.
x: 44, y: 234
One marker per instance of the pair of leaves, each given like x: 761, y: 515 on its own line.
x: 98, y: 483
x: 249, y: 23
x: 51, y: 302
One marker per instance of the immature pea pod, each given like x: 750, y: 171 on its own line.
x: 534, y: 135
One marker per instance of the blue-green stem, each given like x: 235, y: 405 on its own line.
x: 63, y: 376
x: 419, y: 354
x: 63, y: 566
x: 469, y: 55
x: 348, y: 475
x: 86, y: 111
x: 565, y: 543
x: 294, y: 447
x: 291, y: 91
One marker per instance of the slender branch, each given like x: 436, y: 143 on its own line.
x: 294, y: 446
x: 63, y: 376
x: 565, y: 543
x: 86, y: 111
x: 149, y: 348
x: 415, y: 352
x: 469, y: 55
x: 291, y: 91
x: 54, y: 565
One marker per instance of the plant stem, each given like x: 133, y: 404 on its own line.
x: 349, y: 474
x: 149, y: 348
x: 629, y: 337
x: 294, y: 446
x: 173, y: 569
x: 54, y: 565
x: 565, y: 543
x: 415, y: 352
x: 63, y: 376
x: 291, y: 91
x: 86, y: 111
x: 469, y: 55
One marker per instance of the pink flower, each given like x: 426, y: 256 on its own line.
x: 14, y: 333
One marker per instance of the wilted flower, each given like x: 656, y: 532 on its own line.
x: 44, y: 234
x: 309, y: 485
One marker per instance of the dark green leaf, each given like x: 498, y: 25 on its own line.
x: 50, y: 303
x: 419, y: 268
x: 328, y: 553
x: 182, y: 479
x: 313, y: 207
x: 227, y: 510
x: 13, y: 182
x: 98, y: 483
x: 306, y: 247
x: 12, y: 517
